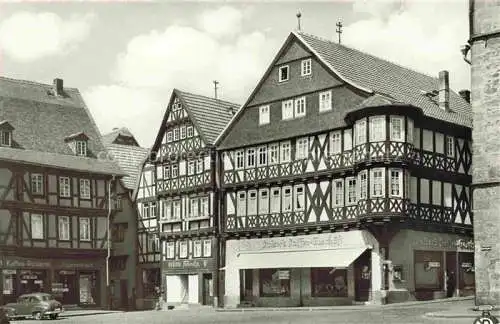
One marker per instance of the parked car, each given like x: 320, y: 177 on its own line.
x: 35, y: 305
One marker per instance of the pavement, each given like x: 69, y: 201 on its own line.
x: 87, y: 312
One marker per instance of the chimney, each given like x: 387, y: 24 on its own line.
x: 58, y: 87
x: 444, y: 90
x: 465, y: 94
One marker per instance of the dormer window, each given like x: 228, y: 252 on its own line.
x: 284, y: 73
x: 6, y: 133
x: 81, y: 148
x: 78, y: 143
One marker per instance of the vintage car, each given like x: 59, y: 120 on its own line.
x: 35, y: 305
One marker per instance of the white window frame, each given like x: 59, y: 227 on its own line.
x: 263, y: 202
x: 351, y: 194
x: 166, y: 172
x: 167, y: 210
x: 363, y: 185
x: 335, y: 142
x: 287, y: 109
x: 81, y: 148
x: 190, y: 168
x: 401, y: 136
x: 194, y: 207
x: 325, y: 101
x: 302, y: 148
x: 174, y: 171
x: 183, y: 249
x: 377, y: 182
x: 200, y: 165
x: 84, y: 229
x: 145, y: 210
x: 286, y: 152
x: 183, y: 132
x: 169, y: 137
x: 252, y: 202
x: 152, y: 209
x: 189, y: 131
x: 204, y: 207
x: 37, y: 184
x: 170, y: 253
x: 37, y: 227
x: 299, y: 196
x: 176, y: 134
x: 377, y: 129
x: 64, y: 228
x: 176, y: 209
x: 240, y: 159
x: 275, y: 200
x: 65, y: 187
x: 338, y: 193
x: 360, y: 131
x: 347, y: 133
x: 207, y: 248
x: 306, y: 67
x: 6, y: 138
x: 250, y: 158
x: 264, y: 115
x: 300, y: 107
x: 409, y: 130
x: 197, y: 249
x: 262, y: 156
x: 241, y: 203
x: 287, y: 201
x: 280, y: 79
x: 396, y: 181
x: 84, y: 188
x: 450, y: 146
x: 274, y: 155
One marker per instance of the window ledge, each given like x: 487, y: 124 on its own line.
x: 198, y: 218
x: 169, y: 221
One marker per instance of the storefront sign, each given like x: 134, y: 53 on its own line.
x: 188, y: 264
x: 25, y: 263
x: 434, y: 264
x: 466, y: 265
x: 447, y: 244
x: 283, y: 274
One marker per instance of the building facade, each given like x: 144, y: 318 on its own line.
x: 346, y: 179
x: 123, y: 148
x: 55, y: 196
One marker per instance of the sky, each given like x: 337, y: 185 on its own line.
x: 126, y: 57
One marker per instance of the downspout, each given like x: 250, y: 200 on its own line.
x: 108, y: 243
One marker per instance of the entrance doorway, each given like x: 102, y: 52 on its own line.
x: 362, y: 277
x: 208, y: 291
x: 66, y: 287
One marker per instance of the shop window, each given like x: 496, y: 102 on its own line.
x: 32, y: 281
x: 274, y: 282
x: 428, y: 270
x: 328, y: 282
x: 9, y: 285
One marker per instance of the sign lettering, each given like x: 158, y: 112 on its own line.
x: 188, y: 264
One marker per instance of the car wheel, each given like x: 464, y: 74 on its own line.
x: 53, y: 316
x: 37, y: 315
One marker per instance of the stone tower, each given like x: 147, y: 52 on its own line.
x: 485, y: 99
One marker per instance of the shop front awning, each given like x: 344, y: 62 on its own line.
x: 331, y: 258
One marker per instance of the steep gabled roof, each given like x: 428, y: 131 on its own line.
x: 112, y: 137
x: 42, y: 122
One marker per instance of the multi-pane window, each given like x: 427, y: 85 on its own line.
x: 183, y: 249
x: 207, y: 248
x: 262, y: 155
x: 396, y: 183
x: 250, y: 158
x: 5, y: 138
x: 409, y: 131
x: 397, y: 129
x: 450, y: 146
x: 335, y: 142
x: 347, y: 140
x: 285, y: 152
x: 183, y: 132
x: 169, y: 137
x: 242, y: 204
x: 175, y: 170
x: 190, y: 169
x: 351, y: 190
x: 264, y: 115
x: 176, y: 134
x: 377, y: 182
x: 273, y: 154
x: 64, y: 228
x: 84, y: 229
x: 363, y: 184
x: 305, y: 67
x: 299, y: 198
x: 325, y: 100
x: 170, y: 253
x: 300, y: 107
x: 167, y: 210
x: 264, y: 202
x: 152, y: 209
x: 85, y: 188
x: 302, y: 148
x: 240, y: 159
x: 81, y: 148
x: 37, y: 184
x: 338, y: 193
x: 283, y: 73
x: 252, y: 202
x: 287, y: 199
x: 64, y: 187
x: 193, y: 208
x: 190, y: 131
x: 176, y: 210
x: 166, y: 172
x: 37, y: 228
x: 377, y: 129
x: 200, y: 165
x: 197, y: 249
x: 360, y: 132
x: 275, y: 200
x: 287, y: 109
x: 145, y: 210
x: 204, y: 207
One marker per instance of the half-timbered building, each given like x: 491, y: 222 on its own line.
x: 123, y: 148
x: 187, y: 196
x: 55, y: 196
x: 346, y: 179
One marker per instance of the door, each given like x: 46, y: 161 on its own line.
x: 362, y: 276
x: 450, y: 283
x: 193, y: 291
x: 207, y: 289
x: 124, y: 293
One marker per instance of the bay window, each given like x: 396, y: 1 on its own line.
x: 287, y: 199
x: 351, y: 190
x: 335, y: 142
x: 363, y: 183
x: 302, y: 148
x: 262, y: 156
x: 396, y: 183
x: 360, y: 129
x: 377, y: 129
x: 250, y: 158
x: 299, y: 198
x: 285, y: 152
x: 264, y: 202
x: 275, y: 200
x: 378, y: 182
x: 252, y: 202
x: 273, y: 154
x: 397, y: 128
x: 338, y: 193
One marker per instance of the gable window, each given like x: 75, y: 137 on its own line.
x: 397, y: 129
x: 360, y: 132
x: 193, y: 208
x: 176, y: 134
x: 199, y: 166
x: 264, y: 115
x: 197, y: 249
x: 6, y: 138
x: 264, y: 202
x: 85, y: 188
x: 240, y: 159
x: 37, y: 184
x: 450, y: 146
x: 299, y: 198
x: 84, y: 229
x: 300, y: 107
x: 183, y: 132
x: 377, y: 129
x: 170, y: 253
x: 363, y: 183
x: 204, y: 210
x: 283, y: 73
x: 169, y: 137
x: 378, y: 182
x: 338, y: 193
x: 287, y: 199
x: 287, y: 109
x: 175, y: 170
x: 273, y: 154
x: 37, y: 230
x: 167, y: 210
x: 335, y: 142
x: 176, y: 212
x: 262, y: 155
x: 183, y: 249
x: 351, y: 190
x: 275, y: 200
x: 190, y: 168
x: 64, y: 228
x: 242, y: 204
x: 305, y: 67
x: 302, y: 148
x: 325, y: 100
x: 166, y: 172
x: 190, y: 131
x: 252, y: 202
x: 285, y: 152
x: 207, y: 248
x: 64, y: 187
x: 396, y: 183
x: 250, y: 158
x: 81, y: 148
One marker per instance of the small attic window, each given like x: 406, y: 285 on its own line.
x: 81, y: 148
x: 78, y: 143
x: 283, y: 74
x: 6, y: 133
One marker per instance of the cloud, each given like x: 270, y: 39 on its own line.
x: 224, y: 21
x: 27, y: 36
x: 408, y: 33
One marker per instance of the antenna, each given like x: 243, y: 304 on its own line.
x: 215, y: 87
x: 298, y: 20
x: 339, y: 29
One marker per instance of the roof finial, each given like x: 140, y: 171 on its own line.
x: 298, y: 20
x: 339, y: 29
x: 215, y: 87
